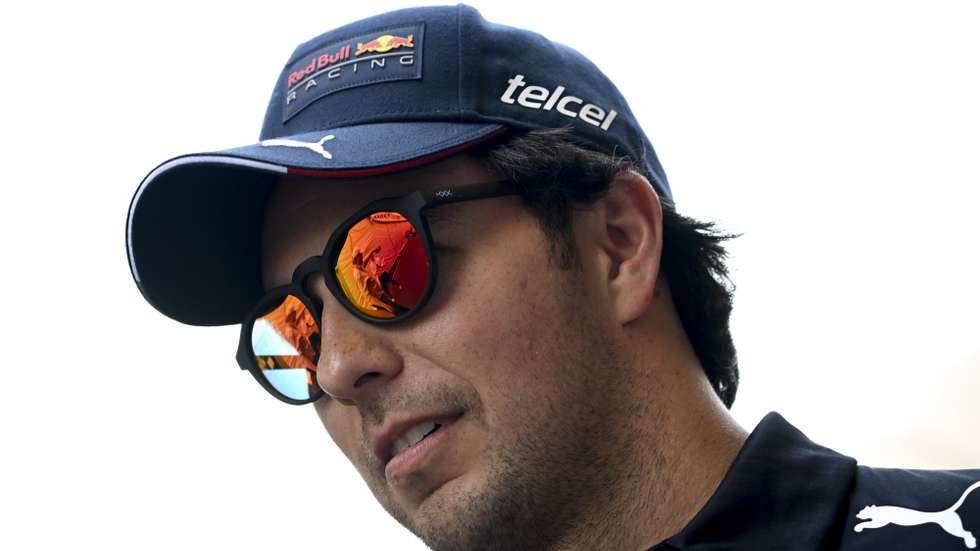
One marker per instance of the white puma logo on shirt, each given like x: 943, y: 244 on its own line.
x: 877, y: 516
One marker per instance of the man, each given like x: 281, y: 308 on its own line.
x: 455, y: 240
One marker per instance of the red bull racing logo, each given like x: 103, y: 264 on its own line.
x: 384, y: 43
x: 332, y: 66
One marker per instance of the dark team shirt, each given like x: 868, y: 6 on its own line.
x: 786, y: 492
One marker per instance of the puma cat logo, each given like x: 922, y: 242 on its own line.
x: 877, y: 516
x: 316, y: 147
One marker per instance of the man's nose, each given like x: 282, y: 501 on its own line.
x: 356, y: 358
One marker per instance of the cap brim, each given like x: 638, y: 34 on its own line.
x: 194, y: 224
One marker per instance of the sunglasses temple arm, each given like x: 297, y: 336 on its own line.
x: 469, y: 192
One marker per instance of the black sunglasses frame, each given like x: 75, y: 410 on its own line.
x: 411, y: 206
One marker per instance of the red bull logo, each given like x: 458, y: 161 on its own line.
x: 384, y: 43
x: 343, y: 64
x: 318, y: 64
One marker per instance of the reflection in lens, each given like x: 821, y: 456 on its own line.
x: 286, y: 344
x: 382, y: 267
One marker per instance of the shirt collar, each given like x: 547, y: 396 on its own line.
x: 782, y: 492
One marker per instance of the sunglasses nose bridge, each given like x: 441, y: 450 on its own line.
x: 356, y: 358
x: 314, y: 286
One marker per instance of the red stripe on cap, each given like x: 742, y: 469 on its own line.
x: 395, y: 167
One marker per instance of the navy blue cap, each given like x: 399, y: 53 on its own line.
x: 380, y: 95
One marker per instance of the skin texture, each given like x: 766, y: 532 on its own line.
x: 583, y: 405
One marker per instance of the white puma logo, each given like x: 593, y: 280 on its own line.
x: 878, y: 516
x: 313, y: 146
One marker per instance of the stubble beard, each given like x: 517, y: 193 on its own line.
x: 545, y: 482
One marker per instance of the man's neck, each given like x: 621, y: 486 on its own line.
x: 679, y: 462
x: 706, y: 443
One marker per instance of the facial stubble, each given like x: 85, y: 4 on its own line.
x: 549, y: 479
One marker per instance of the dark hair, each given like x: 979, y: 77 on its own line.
x: 557, y: 171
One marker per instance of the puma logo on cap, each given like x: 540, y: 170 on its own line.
x: 312, y: 146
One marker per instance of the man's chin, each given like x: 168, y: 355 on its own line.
x: 427, y: 505
x: 448, y: 516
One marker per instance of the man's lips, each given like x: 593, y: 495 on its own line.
x: 395, y: 429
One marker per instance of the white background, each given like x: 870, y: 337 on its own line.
x: 841, y: 138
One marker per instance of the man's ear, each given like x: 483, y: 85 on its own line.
x: 631, y: 241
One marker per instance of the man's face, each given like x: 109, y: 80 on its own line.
x: 512, y: 356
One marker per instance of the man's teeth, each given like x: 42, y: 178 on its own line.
x: 413, y: 436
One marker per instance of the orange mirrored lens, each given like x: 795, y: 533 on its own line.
x: 382, y: 267
x: 286, y: 344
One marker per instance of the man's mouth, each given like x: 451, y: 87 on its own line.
x: 405, y: 442
x: 413, y: 436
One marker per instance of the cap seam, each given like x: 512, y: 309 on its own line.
x: 434, y: 148
x: 437, y: 146
x: 367, y: 171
